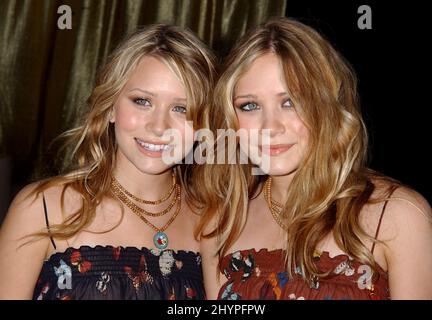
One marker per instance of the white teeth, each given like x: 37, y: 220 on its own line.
x: 152, y: 147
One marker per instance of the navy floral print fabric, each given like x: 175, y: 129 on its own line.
x: 120, y: 273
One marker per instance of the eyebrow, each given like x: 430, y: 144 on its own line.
x: 143, y: 91
x: 155, y: 95
x: 243, y: 96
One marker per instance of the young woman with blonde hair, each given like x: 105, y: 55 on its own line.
x: 318, y: 224
x: 119, y: 224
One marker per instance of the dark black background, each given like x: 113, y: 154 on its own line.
x: 392, y: 65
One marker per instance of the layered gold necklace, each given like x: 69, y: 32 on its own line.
x: 274, y: 206
x: 160, y: 239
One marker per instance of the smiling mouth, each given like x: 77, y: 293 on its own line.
x: 152, y: 146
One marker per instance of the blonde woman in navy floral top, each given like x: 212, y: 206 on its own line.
x: 119, y: 224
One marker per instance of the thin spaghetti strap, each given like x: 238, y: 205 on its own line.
x: 380, y: 219
x: 46, y: 220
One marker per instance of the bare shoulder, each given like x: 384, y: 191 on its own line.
x: 72, y: 202
x: 26, y: 210
x: 406, y: 220
x: 406, y: 230
x: 408, y: 212
x: 394, y: 214
x: 402, y: 193
x: 21, y: 254
x: 404, y: 208
x: 405, y: 199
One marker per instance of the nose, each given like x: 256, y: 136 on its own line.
x: 158, y: 122
x: 273, y: 121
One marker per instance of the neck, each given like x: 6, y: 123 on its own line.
x: 280, y: 185
x: 143, y: 185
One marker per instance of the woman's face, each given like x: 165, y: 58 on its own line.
x: 152, y: 102
x: 261, y: 102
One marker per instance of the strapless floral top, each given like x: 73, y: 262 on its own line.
x: 120, y: 273
x: 262, y: 275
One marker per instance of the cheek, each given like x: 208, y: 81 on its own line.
x: 181, y: 132
x: 301, y: 131
x: 247, y: 121
x: 126, y: 119
x: 188, y: 134
x: 182, y: 127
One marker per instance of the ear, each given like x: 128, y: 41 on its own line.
x: 112, y: 115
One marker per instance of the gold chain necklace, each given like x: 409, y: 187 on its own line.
x: 274, y: 206
x: 165, y: 197
x: 160, y: 239
x: 123, y: 197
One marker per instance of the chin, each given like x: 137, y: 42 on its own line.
x: 281, y: 169
x: 153, y: 168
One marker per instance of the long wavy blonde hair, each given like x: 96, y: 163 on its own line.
x: 93, y: 157
x: 332, y: 183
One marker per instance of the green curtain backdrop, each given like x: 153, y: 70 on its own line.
x: 46, y: 74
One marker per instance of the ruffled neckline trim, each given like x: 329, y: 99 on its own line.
x: 324, y: 255
x: 129, y: 249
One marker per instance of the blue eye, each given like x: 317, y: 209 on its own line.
x: 141, y: 101
x: 249, y: 106
x: 288, y: 103
x: 180, y: 109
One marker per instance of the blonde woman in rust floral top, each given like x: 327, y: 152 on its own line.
x: 318, y: 224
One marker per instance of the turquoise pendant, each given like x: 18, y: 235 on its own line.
x: 160, y: 240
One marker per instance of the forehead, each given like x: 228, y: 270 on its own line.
x: 154, y: 73
x: 263, y: 74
